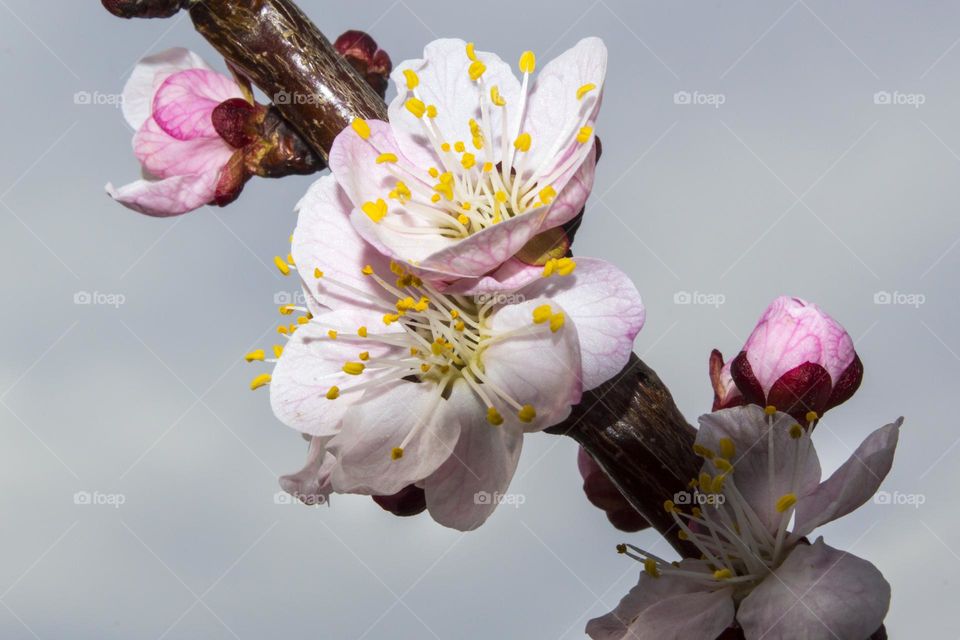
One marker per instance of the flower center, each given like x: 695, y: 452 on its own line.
x: 476, y: 186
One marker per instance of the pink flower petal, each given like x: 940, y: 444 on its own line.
x: 168, y: 197
x: 184, y: 103
x: 312, y: 483
x: 147, y: 77
x: 818, y: 593
x: 166, y: 157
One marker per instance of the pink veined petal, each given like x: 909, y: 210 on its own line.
x: 168, y: 197
x: 184, y: 103
x: 312, y: 483
x: 165, y: 157
x: 312, y: 363
x: 464, y: 491
x: 853, y: 483
x: 818, y: 593
x: 607, y: 310
x: 445, y: 83
x: 699, y: 615
x: 324, y: 239
x: 576, y: 189
x: 380, y: 422
x: 147, y: 77
x: 554, y: 113
x: 510, y: 276
x: 539, y: 367
x: 647, y: 592
x: 747, y: 428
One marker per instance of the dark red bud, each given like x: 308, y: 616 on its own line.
x: 603, y: 494
x: 142, y: 8
x: 804, y: 388
x: 236, y: 120
x: 848, y: 383
x: 362, y: 52
x: 409, y: 501
x: 746, y: 381
x: 232, y: 178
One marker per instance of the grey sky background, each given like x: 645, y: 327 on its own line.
x: 799, y: 183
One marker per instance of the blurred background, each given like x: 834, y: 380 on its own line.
x: 750, y: 149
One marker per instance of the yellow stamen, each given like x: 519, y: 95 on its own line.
x: 528, y: 62
x: 522, y: 143
x: 386, y: 157
x: 416, y: 107
x: 670, y: 507
x: 650, y: 567
x: 584, y: 135
x: 585, y: 89
x: 566, y: 266
x: 542, y: 313
x: 317, y: 273
x: 476, y: 70
x: 471, y: 51
x: 812, y: 416
x: 396, y: 453
x: 494, y: 417
x: 786, y: 501
x: 722, y: 464
x: 367, y: 270
x: 527, y: 413
x: 556, y: 322
x: 362, y: 332
x: 375, y: 210
x: 354, y: 368
x: 256, y: 354
x: 333, y: 393
x: 277, y: 351
x: 727, y: 449
x: 259, y: 381
x: 286, y: 309
x: 769, y: 410
x: 364, y: 355
x: 431, y: 111
x: 281, y: 265
x: 361, y: 127
x: 547, y: 194
x: 413, y: 80
x: 496, y: 98
x: 722, y: 574
x: 332, y: 334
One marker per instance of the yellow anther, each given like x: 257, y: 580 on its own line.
x: 332, y: 334
x: 317, y: 273
x: 434, y: 172
x: 367, y: 270
x: 362, y: 332
x: 522, y: 143
x: 528, y: 62
x: 445, y: 147
x: 585, y: 89
x: 722, y: 574
x: 459, y: 325
x: 396, y: 453
x: 487, y: 167
x: 281, y: 265
x: 290, y: 259
x: 812, y: 416
x: 670, y: 507
x: 386, y: 157
x: 727, y: 449
x: 718, y: 483
x: 696, y: 512
x: 414, y: 351
x: 796, y: 431
x: 259, y: 381
x: 556, y: 322
x: 566, y: 266
x: 621, y: 548
x: 425, y: 367
x: 286, y: 309
x: 547, y: 194
x: 375, y: 210
x: 682, y: 535
x: 706, y: 481
x: 256, y: 354
x: 292, y: 328
x: 468, y: 160
x: 495, y: 96
x: 431, y: 111
x: 416, y: 107
x: 527, y: 413
x: 333, y: 393
x: 454, y: 313
x: 390, y: 318
x: 361, y: 127
x: 462, y: 219
x: 650, y: 567
x: 478, y: 142
x: 549, y: 267
x: 277, y: 351
x: 583, y: 136
x: 476, y: 70
x: 282, y: 330
x: 786, y: 501
x: 435, y: 198
x: 703, y: 452
x: 364, y: 355
x: 354, y: 368
x: 494, y: 417
x: 303, y: 320
x: 471, y: 52
x: 542, y: 313
x: 401, y: 192
x: 413, y: 80
x: 501, y: 196
x: 459, y: 146
x: 769, y: 410
x: 722, y: 464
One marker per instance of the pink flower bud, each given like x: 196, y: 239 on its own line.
x: 797, y: 359
x: 361, y: 51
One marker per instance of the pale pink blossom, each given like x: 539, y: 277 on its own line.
x: 169, y: 101
x: 761, y: 472
x: 797, y: 359
x: 413, y: 386
x: 474, y: 162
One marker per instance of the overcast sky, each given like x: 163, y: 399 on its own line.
x: 785, y: 173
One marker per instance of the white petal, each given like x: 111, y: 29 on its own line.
x: 607, y: 310
x: 540, y: 367
x: 464, y: 491
x: 147, y: 77
x: 312, y: 363
x: 312, y: 483
x: 699, y: 615
x: 445, y: 83
x: 853, y: 483
x: 379, y: 423
x: 747, y: 427
x: 818, y: 593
